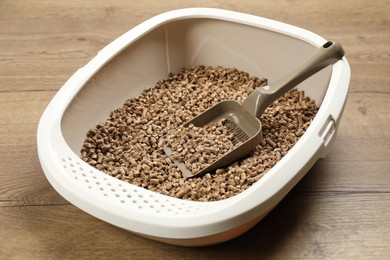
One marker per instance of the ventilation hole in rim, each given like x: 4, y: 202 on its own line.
x: 123, y: 193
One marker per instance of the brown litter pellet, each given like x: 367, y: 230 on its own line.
x: 128, y: 144
x: 198, y: 147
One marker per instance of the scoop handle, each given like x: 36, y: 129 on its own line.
x: 262, y: 97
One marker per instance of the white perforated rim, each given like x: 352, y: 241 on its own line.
x: 153, y: 214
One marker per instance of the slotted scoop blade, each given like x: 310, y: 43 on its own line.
x: 243, y: 120
x: 245, y: 128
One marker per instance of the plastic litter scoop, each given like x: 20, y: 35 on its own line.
x: 243, y: 120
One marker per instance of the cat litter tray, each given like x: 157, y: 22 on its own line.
x: 136, y: 61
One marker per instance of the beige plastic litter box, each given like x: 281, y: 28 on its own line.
x: 137, y: 60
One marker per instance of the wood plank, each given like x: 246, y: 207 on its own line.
x: 307, y: 226
x: 22, y: 179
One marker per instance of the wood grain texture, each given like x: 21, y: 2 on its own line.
x: 340, y: 210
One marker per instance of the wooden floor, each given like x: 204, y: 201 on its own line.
x: 340, y: 210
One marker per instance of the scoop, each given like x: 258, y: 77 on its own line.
x: 243, y: 121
